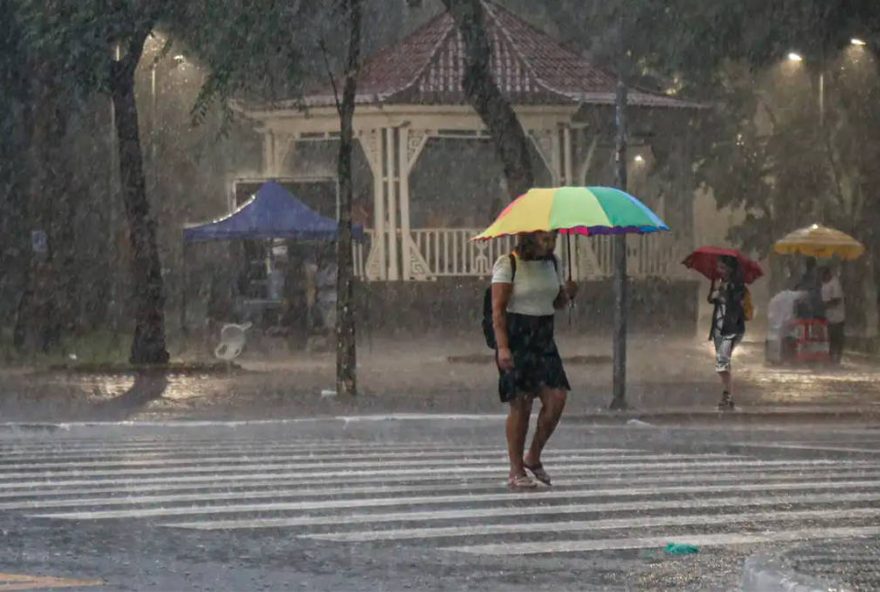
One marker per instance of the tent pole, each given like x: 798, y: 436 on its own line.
x: 183, y: 328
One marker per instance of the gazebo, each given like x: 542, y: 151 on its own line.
x: 411, y: 92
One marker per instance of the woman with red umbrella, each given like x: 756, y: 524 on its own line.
x: 731, y: 306
x: 728, y: 322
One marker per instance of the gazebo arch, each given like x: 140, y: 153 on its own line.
x: 411, y: 92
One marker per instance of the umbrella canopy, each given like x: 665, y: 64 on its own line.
x: 821, y: 242
x: 271, y: 213
x: 575, y: 210
x: 705, y: 261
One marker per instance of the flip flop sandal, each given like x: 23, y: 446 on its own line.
x: 521, y: 482
x: 539, y: 473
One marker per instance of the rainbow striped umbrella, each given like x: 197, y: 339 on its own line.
x: 589, y: 211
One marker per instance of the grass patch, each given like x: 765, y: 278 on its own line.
x: 96, y: 347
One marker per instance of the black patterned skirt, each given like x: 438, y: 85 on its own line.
x: 535, y: 357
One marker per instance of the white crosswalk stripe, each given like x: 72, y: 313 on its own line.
x: 520, y: 512
x: 450, y: 497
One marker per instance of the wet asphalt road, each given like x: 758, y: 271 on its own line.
x: 420, y: 504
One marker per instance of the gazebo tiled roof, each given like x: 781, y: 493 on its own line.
x: 530, y: 67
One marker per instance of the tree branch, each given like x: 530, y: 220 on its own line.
x: 324, y: 54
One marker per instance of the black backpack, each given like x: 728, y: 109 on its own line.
x: 488, y: 326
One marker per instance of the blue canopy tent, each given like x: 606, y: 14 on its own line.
x: 272, y: 213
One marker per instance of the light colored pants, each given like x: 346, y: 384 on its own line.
x: 724, y: 346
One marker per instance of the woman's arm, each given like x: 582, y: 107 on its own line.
x: 500, y: 298
x: 566, y: 294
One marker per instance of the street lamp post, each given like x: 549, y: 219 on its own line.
x: 795, y: 57
x: 618, y: 401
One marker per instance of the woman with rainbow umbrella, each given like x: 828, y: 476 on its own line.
x: 527, y: 289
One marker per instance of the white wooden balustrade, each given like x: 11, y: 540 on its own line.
x: 450, y: 252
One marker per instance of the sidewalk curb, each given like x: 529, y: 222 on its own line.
x: 623, y: 419
x: 765, y: 573
x: 741, y: 416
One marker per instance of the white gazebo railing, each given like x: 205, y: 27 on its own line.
x: 360, y: 249
x: 648, y: 255
x: 450, y: 252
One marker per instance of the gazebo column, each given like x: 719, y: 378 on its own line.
x: 566, y: 249
x: 570, y: 247
x: 403, y: 170
x: 372, y: 144
x: 411, y: 143
x: 390, y: 184
x: 555, y: 148
x: 269, y: 163
x: 276, y: 148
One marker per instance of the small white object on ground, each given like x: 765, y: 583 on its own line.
x: 639, y: 423
x: 232, y: 340
x: 328, y: 393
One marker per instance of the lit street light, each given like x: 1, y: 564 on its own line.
x: 797, y: 58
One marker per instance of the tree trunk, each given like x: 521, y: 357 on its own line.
x: 346, y: 346
x: 484, y: 95
x: 148, y: 344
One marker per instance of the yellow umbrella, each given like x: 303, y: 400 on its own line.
x: 820, y: 242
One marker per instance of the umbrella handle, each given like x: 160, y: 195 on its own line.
x: 568, y: 251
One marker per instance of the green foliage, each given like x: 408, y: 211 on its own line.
x: 263, y: 54
x: 80, y: 38
x: 760, y: 147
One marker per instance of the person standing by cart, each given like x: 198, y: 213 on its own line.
x: 835, y: 313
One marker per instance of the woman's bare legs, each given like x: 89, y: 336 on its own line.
x: 517, y: 429
x: 726, y: 381
x: 552, y: 405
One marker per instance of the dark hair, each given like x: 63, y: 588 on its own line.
x: 732, y: 263
x: 527, y: 246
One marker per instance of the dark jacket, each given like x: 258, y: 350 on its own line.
x: 734, y: 322
x: 812, y: 307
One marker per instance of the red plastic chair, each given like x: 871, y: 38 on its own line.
x: 811, y: 341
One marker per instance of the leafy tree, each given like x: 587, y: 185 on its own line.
x: 98, y: 45
x: 39, y: 179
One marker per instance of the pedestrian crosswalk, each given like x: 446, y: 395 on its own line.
x: 449, y: 497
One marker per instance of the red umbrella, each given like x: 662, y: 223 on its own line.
x: 705, y: 260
